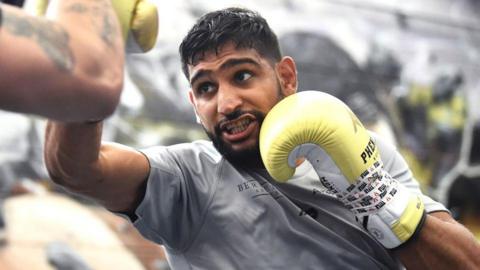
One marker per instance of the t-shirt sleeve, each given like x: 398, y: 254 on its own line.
x: 179, y: 187
x: 398, y: 168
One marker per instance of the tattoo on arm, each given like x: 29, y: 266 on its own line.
x: 77, y: 8
x: 102, y: 17
x: 53, y: 39
x: 107, y: 33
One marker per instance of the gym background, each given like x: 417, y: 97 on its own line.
x: 408, y: 68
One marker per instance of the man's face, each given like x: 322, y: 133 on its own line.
x: 232, y: 91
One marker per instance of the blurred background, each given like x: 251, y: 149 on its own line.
x: 409, y: 69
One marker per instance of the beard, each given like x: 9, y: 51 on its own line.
x: 248, y: 157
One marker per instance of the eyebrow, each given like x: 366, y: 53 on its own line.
x: 226, y: 65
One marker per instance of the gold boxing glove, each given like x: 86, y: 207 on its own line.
x: 322, y: 129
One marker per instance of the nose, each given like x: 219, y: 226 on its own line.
x: 228, y: 100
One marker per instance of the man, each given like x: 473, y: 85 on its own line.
x: 212, y: 205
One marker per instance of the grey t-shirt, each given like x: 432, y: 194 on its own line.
x: 211, y: 215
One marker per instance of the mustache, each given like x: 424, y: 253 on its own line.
x: 233, y: 115
x: 259, y: 116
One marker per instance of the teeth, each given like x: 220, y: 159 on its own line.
x: 238, y: 126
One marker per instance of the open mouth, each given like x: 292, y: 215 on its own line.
x: 238, y: 129
x: 237, y: 126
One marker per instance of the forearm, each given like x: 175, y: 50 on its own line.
x: 68, y: 68
x: 112, y: 174
x: 72, y: 153
x: 441, y: 244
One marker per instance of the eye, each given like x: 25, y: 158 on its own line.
x: 205, y: 88
x: 242, y: 76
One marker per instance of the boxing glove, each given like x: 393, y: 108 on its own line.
x: 138, y: 20
x: 320, y: 128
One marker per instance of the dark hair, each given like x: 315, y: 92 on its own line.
x: 243, y: 27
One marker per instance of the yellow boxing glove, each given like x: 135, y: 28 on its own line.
x: 138, y: 20
x: 322, y: 129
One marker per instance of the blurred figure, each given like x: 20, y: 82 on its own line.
x: 446, y: 117
x: 433, y: 114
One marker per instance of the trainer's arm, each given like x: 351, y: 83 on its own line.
x: 68, y: 67
x: 442, y: 243
x: 112, y: 174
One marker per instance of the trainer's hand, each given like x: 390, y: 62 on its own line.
x: 322, y: 129
x: 138, y: 20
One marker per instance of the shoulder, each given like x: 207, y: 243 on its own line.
x: 185, y: 151
x: 191, y: 163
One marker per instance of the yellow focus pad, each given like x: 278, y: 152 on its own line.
x: 141, y: 18
x: 145, y: 25
x: 36, y: 7
x: 125, y: 11
x: 318, y: 118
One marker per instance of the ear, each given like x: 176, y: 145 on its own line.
x: 287, y: 72
x: 191, y: 98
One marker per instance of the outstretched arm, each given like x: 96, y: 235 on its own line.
x: 67, y: 67
x: 112, y: 174
x: 442, y: 243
